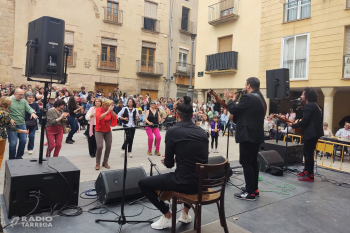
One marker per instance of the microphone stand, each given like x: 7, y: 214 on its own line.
x: 122, y: 219
x: 227, y: 126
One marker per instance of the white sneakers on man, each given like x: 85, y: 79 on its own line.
x: 162, y: 223
x: 184, y: 218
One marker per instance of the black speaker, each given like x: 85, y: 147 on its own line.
x: 109, y: 185
x: 277, y: 83
x: 25, y: 178
x: 47, y: 34
x: 294, y: 151
x: 269, y: 159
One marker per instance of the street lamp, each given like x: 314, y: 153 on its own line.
x: 190, y: 88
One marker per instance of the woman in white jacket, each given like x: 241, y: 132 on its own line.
x: 91, y: 118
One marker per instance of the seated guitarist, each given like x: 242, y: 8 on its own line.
x: 185, y: 144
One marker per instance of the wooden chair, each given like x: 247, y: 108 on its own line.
x: 206, y: 195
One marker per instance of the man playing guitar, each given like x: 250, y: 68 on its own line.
x: 185, y: 144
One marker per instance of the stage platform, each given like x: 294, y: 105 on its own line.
x: 310, y: 207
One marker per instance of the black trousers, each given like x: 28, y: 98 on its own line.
x: 164, y: 182
x: 309, y: 148
x: 216, y: 140
x: 248, y: 158
x: 91, y: 141
x: 129, y: 134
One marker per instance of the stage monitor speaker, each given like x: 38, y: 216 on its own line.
x: 277, y: 83
x: 47, y: 34
x: 294, y: 151
x: 269, y: 159
x: 25, y: 178
x: 109, y: 185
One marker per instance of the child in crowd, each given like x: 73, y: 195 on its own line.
x: 214, y: 132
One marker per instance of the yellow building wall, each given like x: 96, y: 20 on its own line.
x: 326, y: 27
x: 246, y: 33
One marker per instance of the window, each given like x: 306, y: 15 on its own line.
x: 226, y: 8
x: 297, y: 9
x: 108, y: 53
x: 183, y: 60
x: 185, y: 18
x: 147, y: 59
x: 69, y: 42
x: 295, y: 56
x: 225, y: 44
x: 112, y: 11
x: 150, y: 17
x: 346, y: 73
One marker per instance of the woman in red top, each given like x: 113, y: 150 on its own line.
x: 105, y: 118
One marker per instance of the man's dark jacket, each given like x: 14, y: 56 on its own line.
x: 250, y: 115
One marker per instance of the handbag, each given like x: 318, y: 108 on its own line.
x: 31, y: 124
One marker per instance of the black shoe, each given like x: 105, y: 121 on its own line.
x: 256, y: 191
x: 245, y: 196
x: 69, y: 141
x: 93, y: 156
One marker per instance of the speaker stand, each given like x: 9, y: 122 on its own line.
x: 122, y: 219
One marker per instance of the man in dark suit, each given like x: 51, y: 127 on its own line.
x: 311, y: 124
x: 250, y: 113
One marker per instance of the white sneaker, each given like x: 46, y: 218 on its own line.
x: 30, y: 152
x: 162, y: 223
x: 122, y: 153
x: 216, y: 151
x: 129, y: 154
x: 184, y: 218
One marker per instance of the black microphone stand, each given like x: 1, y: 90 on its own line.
x: 122, y: 219
x: 227, y: 126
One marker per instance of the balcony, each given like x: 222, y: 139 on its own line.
x: 108, y: 63
x: 223, y: 11
x: 296, y: 10
x: 150, y: 24
x: 221, y: 63
x: 149, y: 68
x: 186, y: 26
x: 184, y: 69
x: 113, y: 16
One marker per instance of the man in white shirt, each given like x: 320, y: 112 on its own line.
x: 344, y: 132
x: 203, y: 105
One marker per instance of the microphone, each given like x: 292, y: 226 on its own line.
x: 296, y: 100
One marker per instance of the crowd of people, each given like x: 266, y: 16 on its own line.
x: 95, y: 112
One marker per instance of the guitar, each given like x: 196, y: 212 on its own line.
x: 222, y: 103
x: 298, y: 131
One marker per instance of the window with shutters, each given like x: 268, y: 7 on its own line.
x: 225, y: 44
x: 108, y: 58
x: 150, y: 21
x: 346, y: 73
x: 147, y: 59
x: 296, y: 9
x: 69, y: 42
x: 112, y: 11
x: 182, y: 67
x: 295, y: 56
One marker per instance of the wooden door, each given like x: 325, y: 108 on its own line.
x: 152, y: 93
x: 108, y: 56
x: 106, y: 88
x: 147, y: 60
x: 112, y: 11
x: 225, y: 44
x: 70, y: 55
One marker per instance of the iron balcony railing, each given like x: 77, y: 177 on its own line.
x: 222, y: 61
x: 296, y: 9
x: 150, y: 24
x: 105, y: 62
x: 223, y: 11
x: 184, y: 68
x: 112, y: 15
x: 149, y: 68
x: 186, y: 26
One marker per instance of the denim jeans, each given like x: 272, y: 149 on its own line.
x: 31, y: 137
x: 12, y: 138
x: 73, y: 127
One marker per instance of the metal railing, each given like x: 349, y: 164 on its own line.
x: 346, y: 74
x: 105, y: 62
x: 222, y: 61
x: 149, y: 68
x: 71, y: 61
x: 223, y: 11
x: 186, y: 25
x: 112, y: 15
x: 296, y: 9
x: 184, y: 68
x: 150, y: 24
